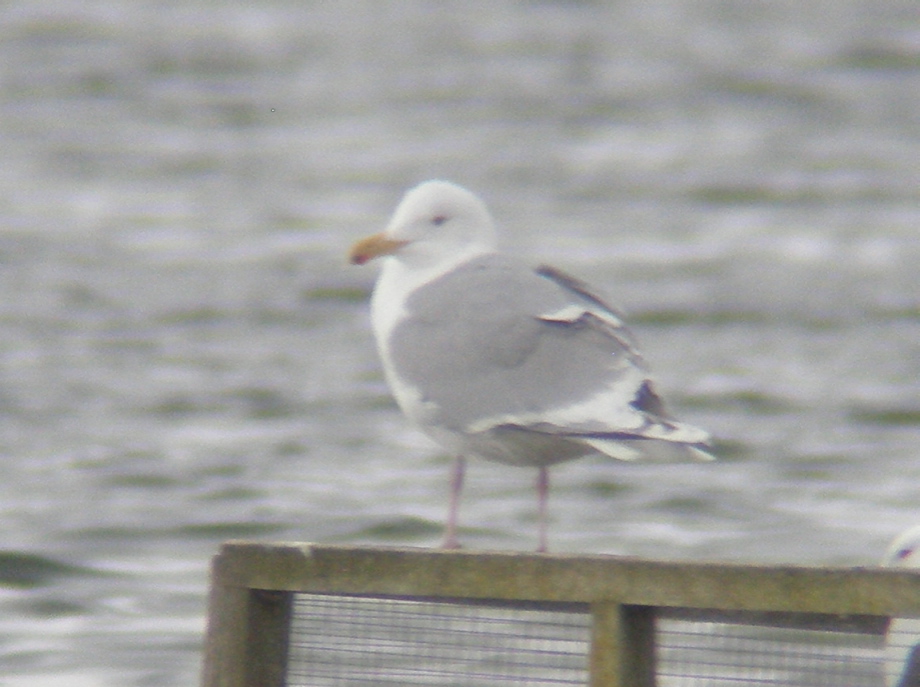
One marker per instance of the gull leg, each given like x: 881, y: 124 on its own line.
x: 542, y: 497
x: 456, y: 486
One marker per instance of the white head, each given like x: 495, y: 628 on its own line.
x: 436, y: 221
x: 904, y: 551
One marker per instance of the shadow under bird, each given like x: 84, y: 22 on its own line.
x: 496, y: 359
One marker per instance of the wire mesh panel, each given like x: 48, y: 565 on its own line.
x: 341, y: 640
x: 693, y: 653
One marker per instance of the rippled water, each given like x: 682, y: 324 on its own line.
x: 186, y: 358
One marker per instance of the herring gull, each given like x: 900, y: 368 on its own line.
x: 902, y: 641
x: 496, y: 359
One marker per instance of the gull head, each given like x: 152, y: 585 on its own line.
x: 435, y: 221
x: 904, y: 551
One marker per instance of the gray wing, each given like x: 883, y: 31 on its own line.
x: 594, y: 307
x: 495, y: 343
x: 582, y: 290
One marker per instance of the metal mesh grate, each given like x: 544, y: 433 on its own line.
x: 347, y: 640
x: 717, y: 654
x: 341, y: 640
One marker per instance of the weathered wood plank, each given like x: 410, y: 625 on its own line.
x: 580, y: 579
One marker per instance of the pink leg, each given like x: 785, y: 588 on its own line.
x: 542, y: 497
x: 456, y: 486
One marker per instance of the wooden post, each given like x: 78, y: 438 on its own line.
x: 622, y: 645
x: 247, y: 636
x: 267, y: 642
x: 224, y: 655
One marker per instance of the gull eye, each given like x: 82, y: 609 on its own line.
x: 438, y: 220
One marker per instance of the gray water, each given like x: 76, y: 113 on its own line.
x: 186, y: 357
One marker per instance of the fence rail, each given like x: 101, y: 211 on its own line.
x: 260, y: 603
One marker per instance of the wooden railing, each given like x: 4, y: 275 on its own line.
x: 254, y: 585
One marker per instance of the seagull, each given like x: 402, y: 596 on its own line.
x: 902, y: 641
x: 496, y: 359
